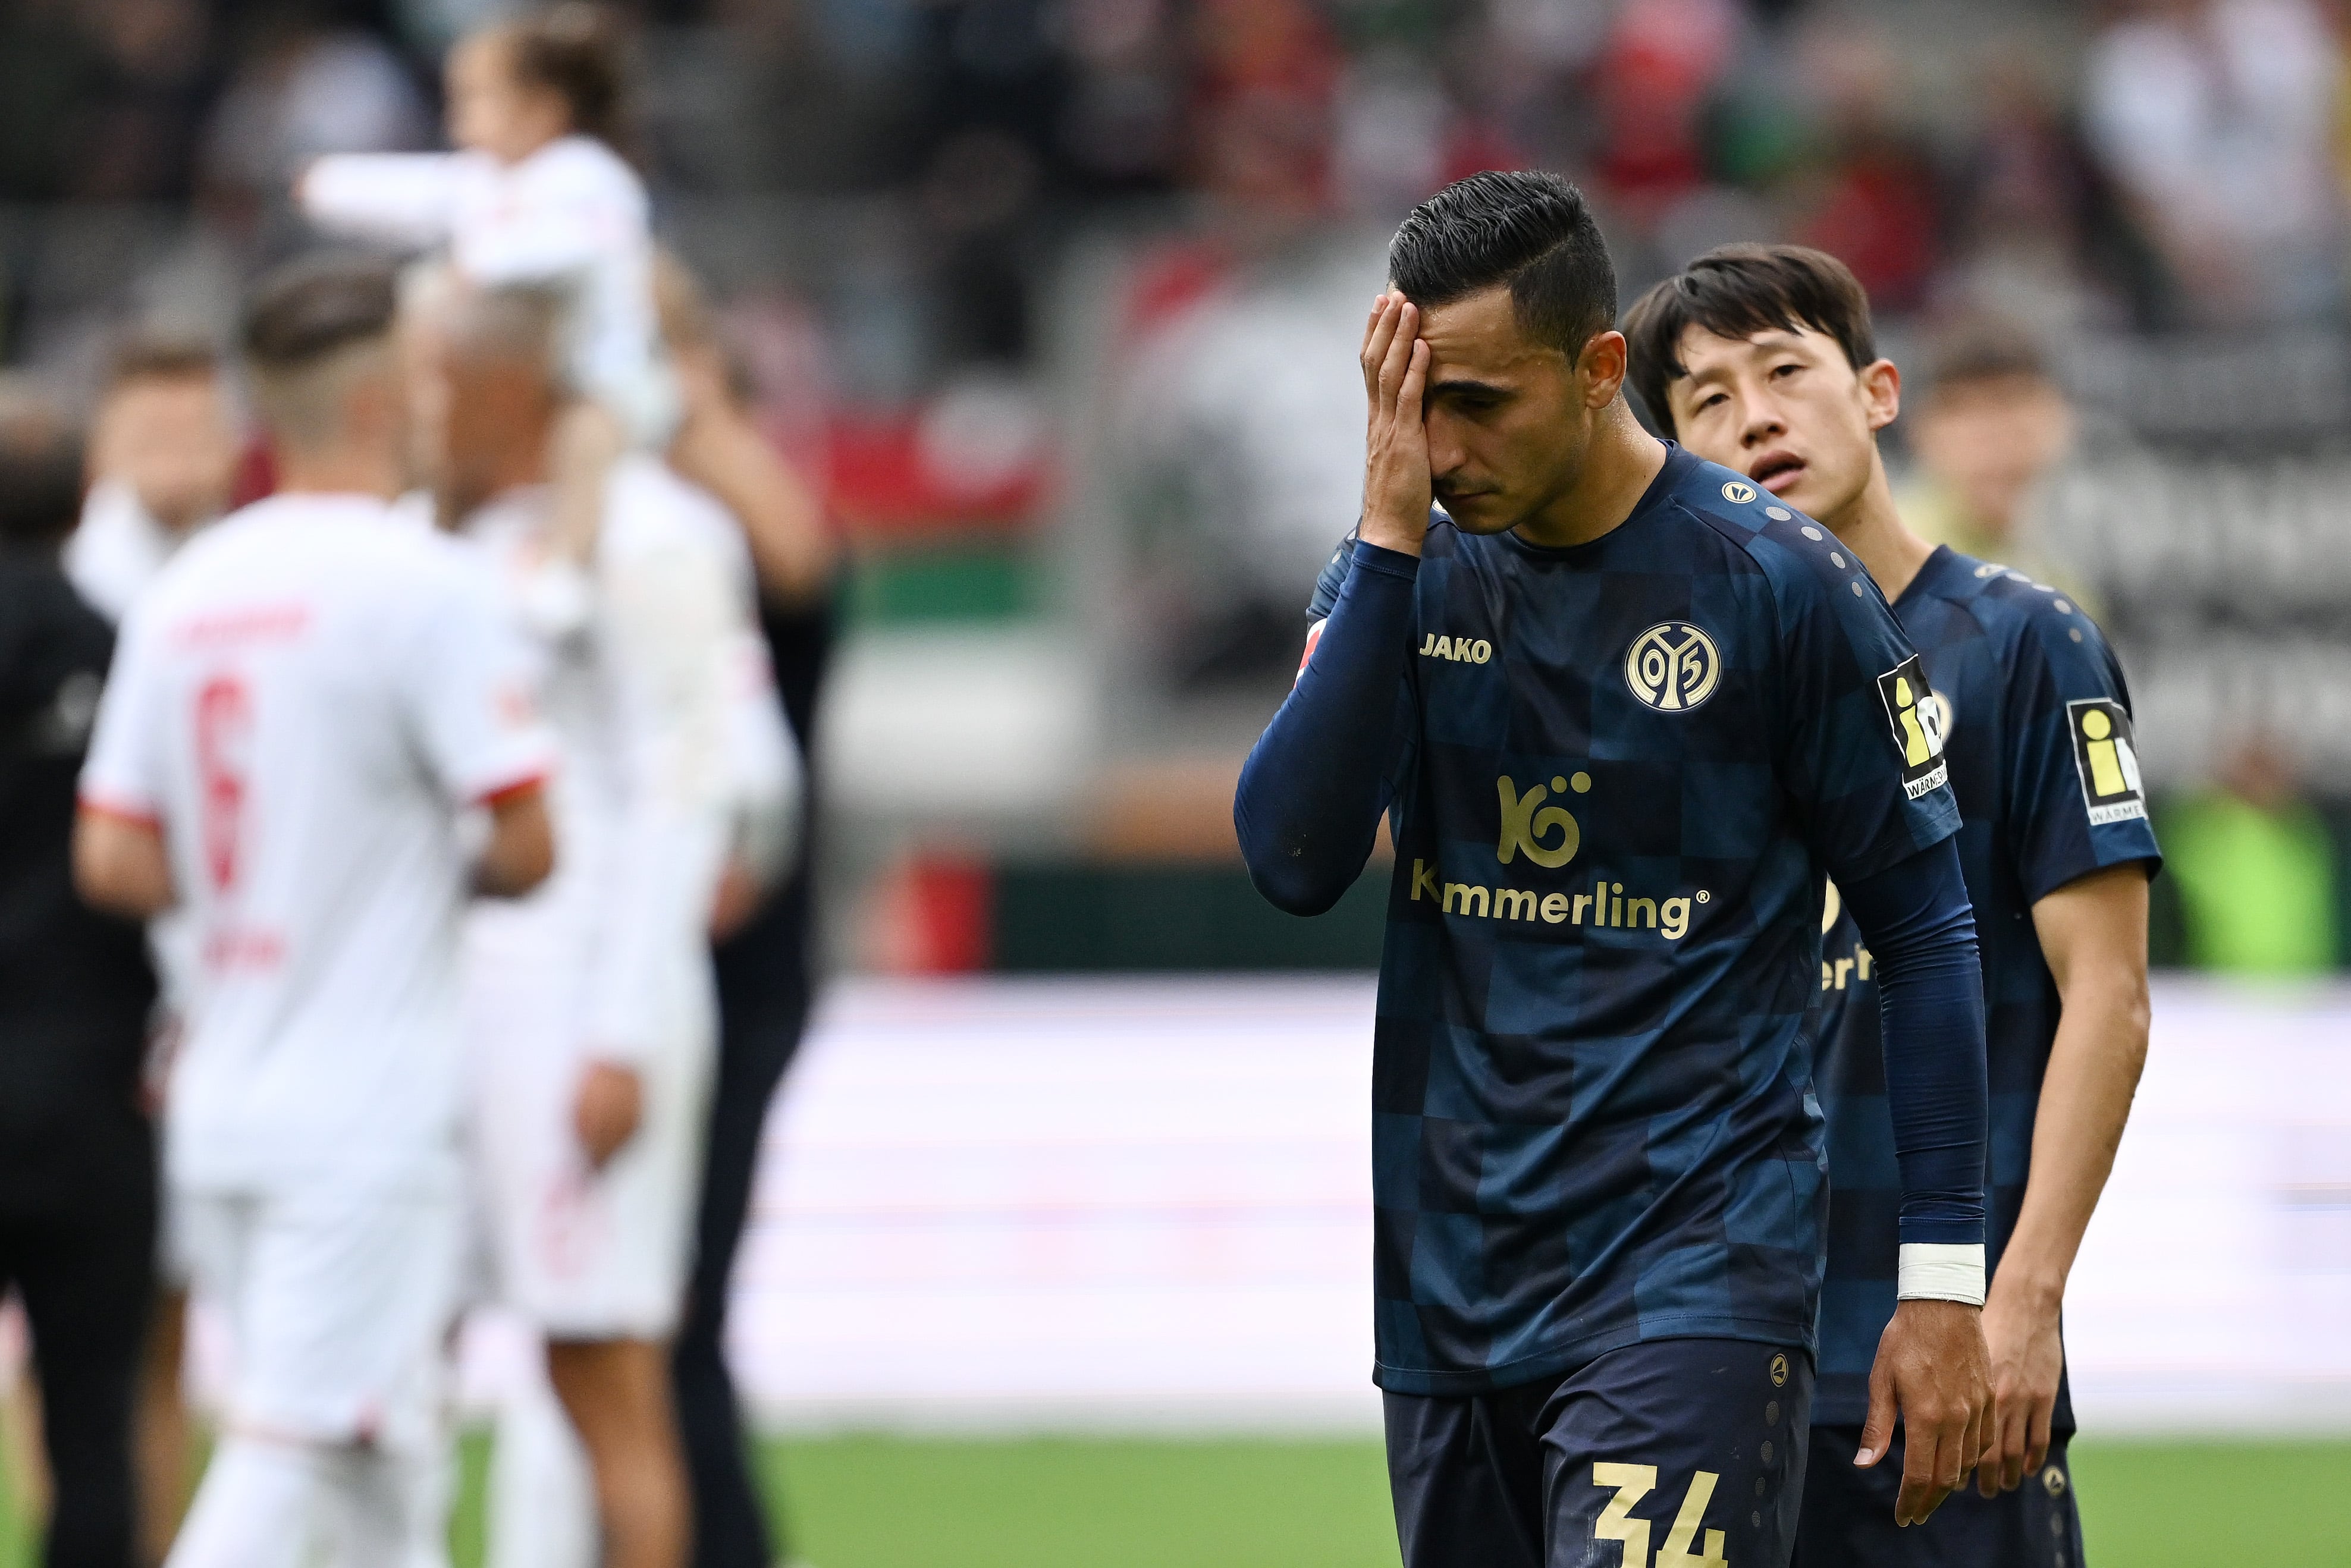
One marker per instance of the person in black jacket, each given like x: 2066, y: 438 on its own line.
x: 77, y: 1147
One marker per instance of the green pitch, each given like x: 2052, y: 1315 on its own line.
x: 890, y: 1502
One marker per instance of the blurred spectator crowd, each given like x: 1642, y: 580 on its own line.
x: 2150, y: 162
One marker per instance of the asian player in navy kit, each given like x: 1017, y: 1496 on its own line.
x: 1761, y: 358
x: 1622, y: 714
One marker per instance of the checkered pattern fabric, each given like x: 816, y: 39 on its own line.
x: 1620, y: 773
x: 2020, y: 672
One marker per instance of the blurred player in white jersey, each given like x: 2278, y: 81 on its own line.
x: 593, y: 1001
x: 164, y: 445
x: 300, y: 713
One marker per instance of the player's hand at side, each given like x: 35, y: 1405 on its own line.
x: 1396, y: 488
x: 1933, y: 1370
x: 2027, y: 1358
x: 606, y: 1110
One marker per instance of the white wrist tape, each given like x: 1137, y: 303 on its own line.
x: 1941, y: 1272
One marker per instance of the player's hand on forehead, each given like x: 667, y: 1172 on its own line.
x: 1397, y: 487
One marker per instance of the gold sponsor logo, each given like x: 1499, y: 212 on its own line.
x: 1605, y: 905
x: 1780, y: 1370
x: 1673, y: 666
x: 1460, y: 650
x: 1524, y: 828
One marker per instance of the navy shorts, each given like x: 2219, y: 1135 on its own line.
x: 1693, y: 1447
x: 1849, y: 1516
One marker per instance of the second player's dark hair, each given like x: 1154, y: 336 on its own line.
x: 40, y: 474
x: 576, y: 51
x: 309, y: 307
x: 1736, y: 291
x: 1532, y: 231
x: 160, y: 353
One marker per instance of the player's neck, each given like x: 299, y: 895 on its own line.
x: 339, y: 471
x: 1617, y: 470
x: 1875, y: 531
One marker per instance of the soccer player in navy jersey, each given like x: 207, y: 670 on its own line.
x: 1623, y: 713
x: 1761, y: 358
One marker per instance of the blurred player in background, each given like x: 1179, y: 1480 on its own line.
x: 1761, y: 358
x: 1622, y: 710
x: 164, y: 457
x: 591, y: 1002
x: 1990, y: 425
x: 539, y: 193
x: 763, y: 958
x: 300, y: 709
x: 78, y: 1178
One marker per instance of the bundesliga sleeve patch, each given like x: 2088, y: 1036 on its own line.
x: 2108, y: 760
x: 1917, y: 722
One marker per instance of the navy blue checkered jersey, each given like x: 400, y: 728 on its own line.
x: 2040, y: 743
x: 1625, y: 769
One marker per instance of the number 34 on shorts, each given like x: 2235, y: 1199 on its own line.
x: 1683, y: 1547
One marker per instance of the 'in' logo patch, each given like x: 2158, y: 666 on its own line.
x: 1673, y: 666
x: 1917, y: 721
x: 2108, y: 760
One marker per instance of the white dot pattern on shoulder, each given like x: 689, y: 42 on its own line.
x: 1779, y: 514
x: 1836, y: 560
x: 1812, y: 534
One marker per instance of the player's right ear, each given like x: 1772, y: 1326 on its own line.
x: 1601, y: 367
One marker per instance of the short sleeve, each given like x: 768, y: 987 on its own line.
x: 124, y: 775
x: 1862, y: 742
x: 468, y: 692
x: 2076, y: 802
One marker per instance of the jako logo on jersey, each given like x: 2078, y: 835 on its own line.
x: 1673, y: 666
x: 1917, y: 723
x: 1523, y: 827
x: 1460, y: 650
x: 2108, y: 761
x: 1739, y: 491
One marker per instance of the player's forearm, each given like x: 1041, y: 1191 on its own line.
x: 1311, y: 794
x: 2086, y: 1099
x: 1920, y: 930
x: 405, y: 197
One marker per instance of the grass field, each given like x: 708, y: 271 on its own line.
x: 897, y: 1503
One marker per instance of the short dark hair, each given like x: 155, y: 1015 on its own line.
x: 1982, y: 350
x: 41, y: 473
x: 309, y: 309
x: 1736, y: 291
x: 160, y: 353
x: 1530, y: 230
x: 576, y: 51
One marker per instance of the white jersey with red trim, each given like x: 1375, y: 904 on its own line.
x: 304, y: 703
